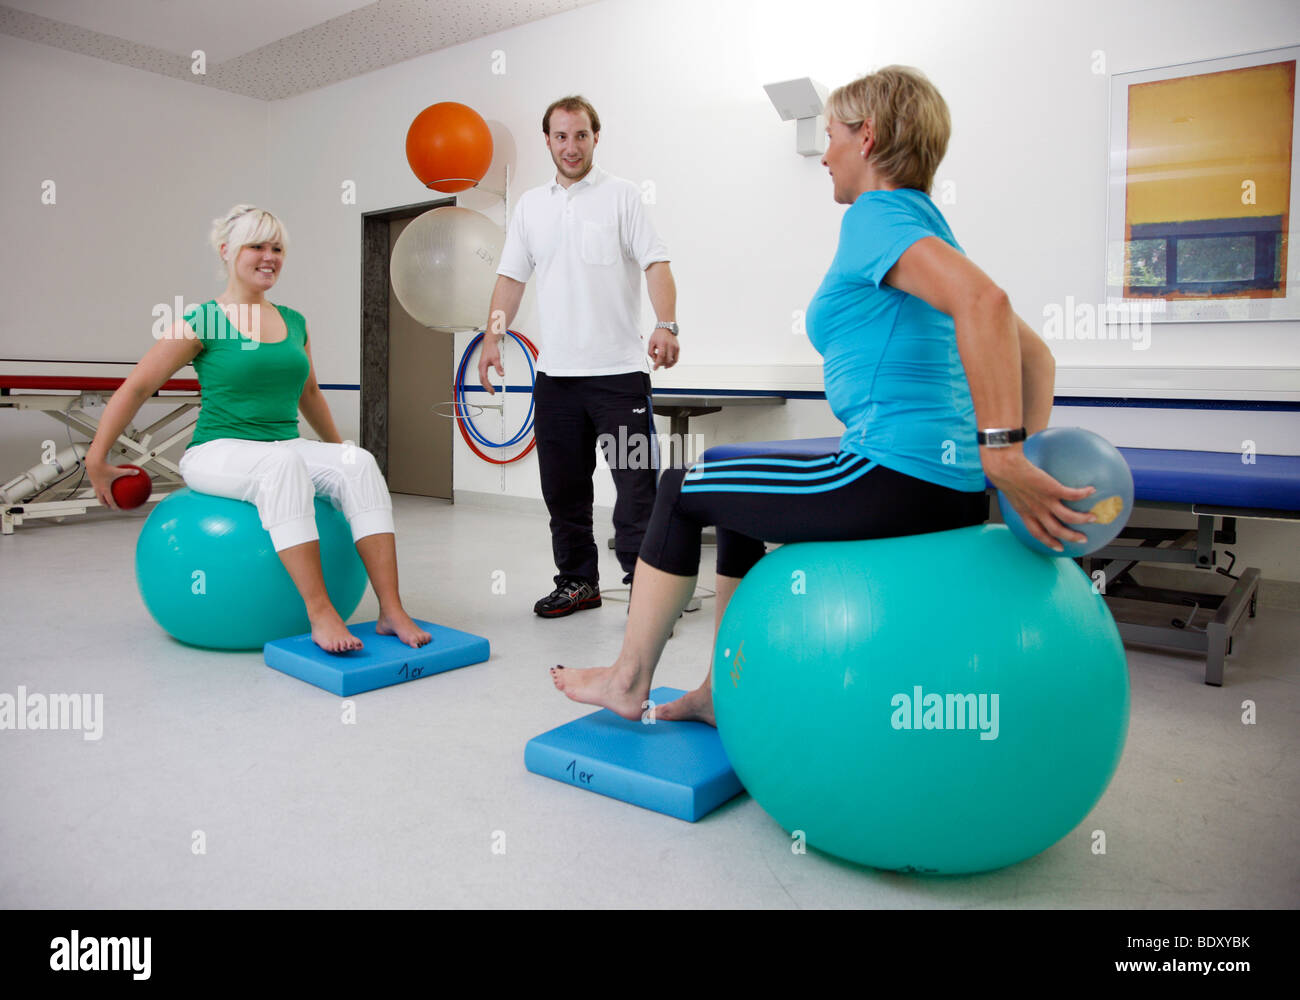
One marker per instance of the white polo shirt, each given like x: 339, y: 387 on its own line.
x: 589, y: 244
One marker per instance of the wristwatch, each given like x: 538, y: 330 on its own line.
x: 670, y: 327
x: 1000, y: 437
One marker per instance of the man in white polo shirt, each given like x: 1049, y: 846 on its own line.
x: 587, y: 237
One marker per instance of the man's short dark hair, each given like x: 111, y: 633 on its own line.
x: 572, y: 105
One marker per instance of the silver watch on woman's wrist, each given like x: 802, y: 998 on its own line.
x: 670, y: 327
x: 1000, y: 437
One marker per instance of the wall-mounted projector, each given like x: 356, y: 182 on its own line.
x: 803, y: 101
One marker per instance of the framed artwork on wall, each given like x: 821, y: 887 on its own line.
x: 1201, y: 181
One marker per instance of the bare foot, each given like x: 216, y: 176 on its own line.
x: 694, y: 706
x: 331, y: 635
x: 399, y: 623
x: 602, y: 686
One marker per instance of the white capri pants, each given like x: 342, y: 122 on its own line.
x: 283, y: 478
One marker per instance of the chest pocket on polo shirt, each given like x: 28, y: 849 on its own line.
x: 599, y: 243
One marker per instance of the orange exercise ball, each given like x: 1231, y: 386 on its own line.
x: 449, y: 146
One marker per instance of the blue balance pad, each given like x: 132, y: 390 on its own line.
x: 384, y: 659
x: 677, y: 768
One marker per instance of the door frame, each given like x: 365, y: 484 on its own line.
x: 374, y: 323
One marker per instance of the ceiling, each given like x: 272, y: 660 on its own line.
x: 267, y: 49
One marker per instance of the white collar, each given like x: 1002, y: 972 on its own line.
x: 594, y: 177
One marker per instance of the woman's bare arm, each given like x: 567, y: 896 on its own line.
x: 169, y: 355
x: 1011, y: 383
x: 314, y: 407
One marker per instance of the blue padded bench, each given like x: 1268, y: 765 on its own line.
x: 1209, y: 485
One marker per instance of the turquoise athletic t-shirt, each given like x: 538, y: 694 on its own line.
x: 892, y: 370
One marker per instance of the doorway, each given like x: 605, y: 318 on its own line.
x: 406, y: 370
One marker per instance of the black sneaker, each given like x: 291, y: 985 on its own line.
x: 569, y: 596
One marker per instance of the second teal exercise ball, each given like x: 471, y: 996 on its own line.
x: 210, y: 576
x: 939, y: 703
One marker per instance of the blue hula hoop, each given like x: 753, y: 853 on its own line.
x: 461, y: 401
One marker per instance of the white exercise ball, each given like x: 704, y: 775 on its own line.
x: 444, y: 268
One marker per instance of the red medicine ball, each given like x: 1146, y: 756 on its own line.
x: 132, y: 491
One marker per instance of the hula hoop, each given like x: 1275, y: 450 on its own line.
x: 461, y: 400
x: 466, y: 424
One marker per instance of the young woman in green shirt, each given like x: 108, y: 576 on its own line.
x: 253, y: 359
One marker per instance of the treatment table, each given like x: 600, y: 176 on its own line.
x: 1215, y: 488
x: 68, y: 399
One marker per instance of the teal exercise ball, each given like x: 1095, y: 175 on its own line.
x: 1076, y: 457
x: 209, y: 575
x: 942, y: 703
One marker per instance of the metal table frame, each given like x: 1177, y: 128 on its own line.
x: 1182, y: 547
x: 137, y: 447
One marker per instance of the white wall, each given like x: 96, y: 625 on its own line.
x: 141, y: 164
x: 678, y: 83
x: 750, y: 224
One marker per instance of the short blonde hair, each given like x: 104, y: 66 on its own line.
x: 909, y: 118
x: 242, y: 225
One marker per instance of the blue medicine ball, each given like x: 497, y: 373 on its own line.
x: 210, y: 576
x: 1076, y: 457
x: 939, y: 703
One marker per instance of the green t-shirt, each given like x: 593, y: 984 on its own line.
x: 250, y: 389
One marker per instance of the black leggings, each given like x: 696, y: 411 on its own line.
x: 793, y: 498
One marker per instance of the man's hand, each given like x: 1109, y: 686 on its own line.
x: 490, y: 355
x: 663, y: 349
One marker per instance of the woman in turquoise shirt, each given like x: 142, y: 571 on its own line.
x: 935, y: 378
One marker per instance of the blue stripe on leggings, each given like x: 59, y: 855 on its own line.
x: 709, y: 476
x: 785, y: 462
x: 701, y: 486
